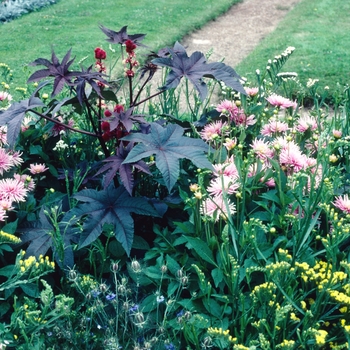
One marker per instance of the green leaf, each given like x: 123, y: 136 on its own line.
x: 213, y: 307
x: 4, y: 307
x: 172, y: 265
x: 30, y: 289
x: 149, y: 303
x: 218, y: 276
x: 168, y: 145
x: 201, y: 249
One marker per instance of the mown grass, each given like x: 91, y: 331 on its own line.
x: 319, y: 30
x: 74, y: 24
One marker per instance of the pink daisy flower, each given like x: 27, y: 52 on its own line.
x: 222, y: 184
x: 251, y: 91
x: 343, y: 203
x: 27, y: 180
x: 5, y: 96
x: 306, y: 123
x: 12, y: 190
x: 274, y: 127
x: 217, y: 206
x: 16, y: 158
x: 6, y: 205
x: 230, y: 144
x: 281, y: 102
x: 37, y: 168
x: 226, y: 106
x: 262, y: 149
x: 292, y: 159
x: 228, y: 169
x: 6, y: 161
x: 213, y: 130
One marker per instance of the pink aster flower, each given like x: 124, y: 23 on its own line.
x: 274, y: 127
x: 251, y: 91
x: 292, y: 159
x: 37, y: 168
x: 6, y: 161
x: 217, y: 207
x: 213, y: 130
x: 337, y: 134
x: 281, y: 102
x: 27, y: 180
x: 227, y: 168
x: 262, y: 149
x: 6, y: 205
x: 306, y: 123
x: 226, y: 184
x: 226, y: 106
x: 16, y: 158
x: 5, y: 96
x: 12, y: 190
x: 230, y: 144
x: 343, y: 203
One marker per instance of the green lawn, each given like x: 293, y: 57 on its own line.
x: 74, y: 23
x: 319, y: 30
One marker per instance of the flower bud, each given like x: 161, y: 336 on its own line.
x: 135, y: 266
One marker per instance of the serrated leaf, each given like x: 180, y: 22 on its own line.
x: 172, y: 265
x: 194, y: 68
x: 168, y: 145
x: 110, y: 206
x: 201, y: 248
x: 218, y: 276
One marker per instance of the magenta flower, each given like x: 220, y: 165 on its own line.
x: 12, y: 190
x: 343, y: 203
x: 217, y: 206
x: 57, y: 128
x: 37, y: 168
x: 306, y: 123
x: 281, y: 102
x: 274, y: 127
x: 292, y: 159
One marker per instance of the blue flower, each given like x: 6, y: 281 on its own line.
x: 134, y: 308
x: 181, y: 313
x: 110, y: 296
x: 170, y: 346
x: 95, y: 293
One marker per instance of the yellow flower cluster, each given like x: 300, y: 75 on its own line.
x: 286, y: 345
x: 264, y: 292
x: 320, y: 337
x: 340, y: 297
x: 278, y: 268
x: 219, y: 332
x: 87, y: 283
x: 321, y: 274
x: 8, y: 238
x: 284, y: 255
x: 43, y: 264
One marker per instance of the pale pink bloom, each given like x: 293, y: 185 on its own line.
x: 37, y: 168
x: 226, y: 106
x: 213, y: 130
x: 3, y: 215
x: 57, y: 128
x: 27, y: 180
x: 217, y: 206
x: 226, y: 184
x: 251, y: 91
x: 16, y: 158
x: 3, y: 135
x: 306, y: 123
x: 256, y: 168
x: 343, y: 203
x: 273, y: 127
x: 5, y: 96
x: 230, y: 144
x: 227, y: 168
x: 311, y: 164
x: 262, y: 149
x: 281, y: 102
x: 26, y: 123
x: 292, y: 159
x: 337, y: 134
x: 270, y: 182
x: 6, y: 161
x: 6, y: 205
x: 12, y: 190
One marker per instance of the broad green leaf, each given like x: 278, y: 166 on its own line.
x: 201, y: 249
x: 218, y: 276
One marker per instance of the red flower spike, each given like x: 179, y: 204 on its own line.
x: 105, y: 126
x: 107, y: 113
x: 100, y: 54
x: 130, y: 46
x: 119, y: 108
